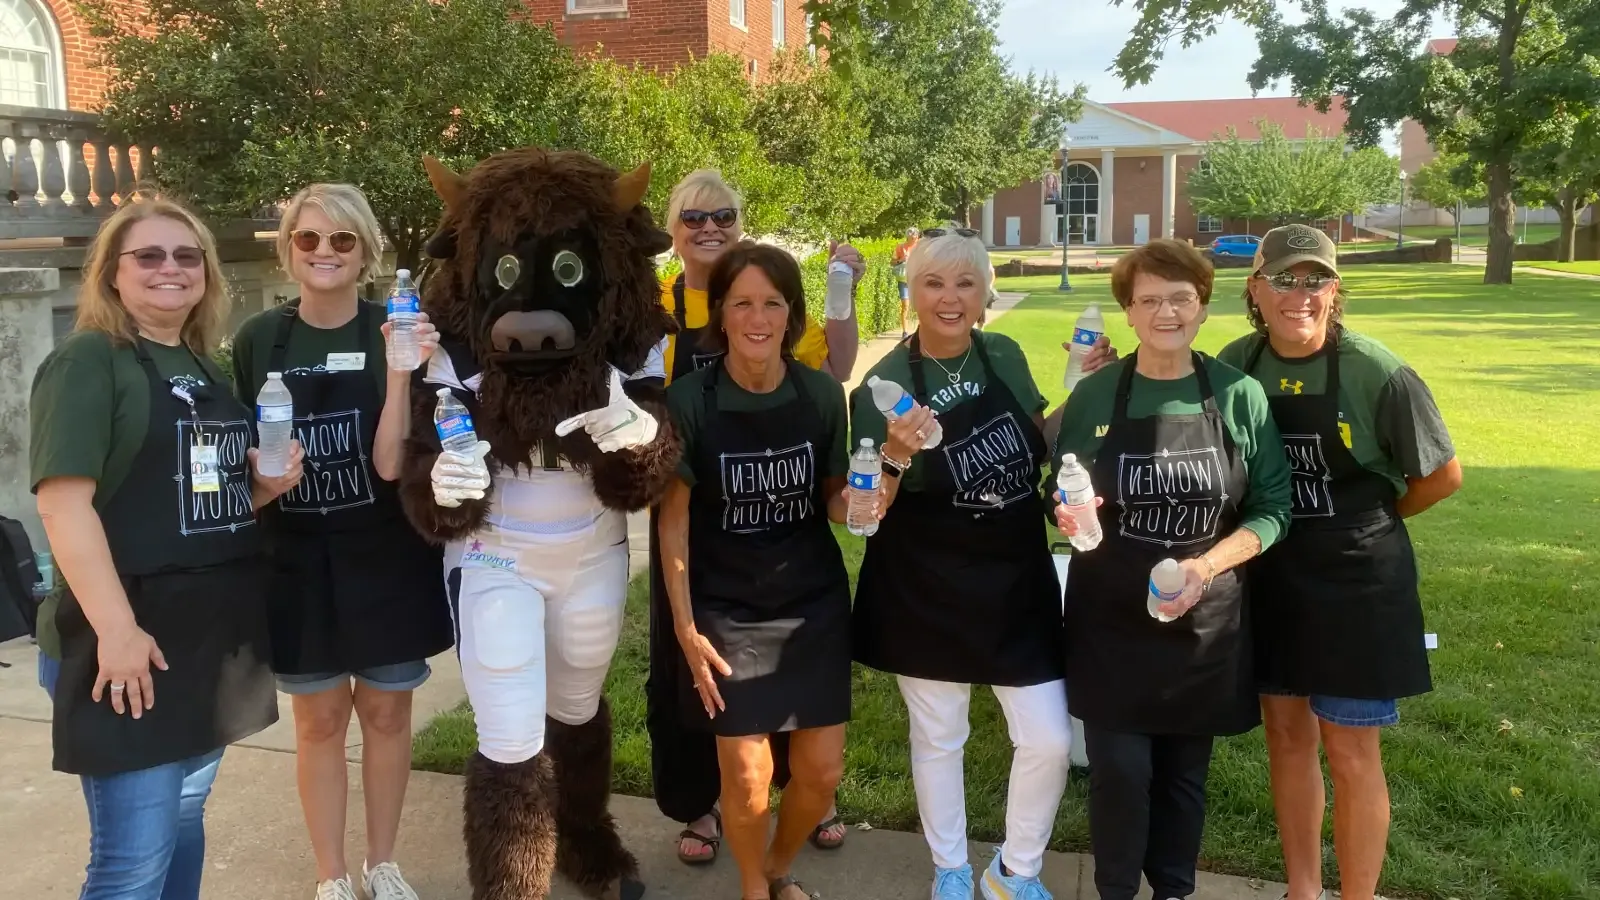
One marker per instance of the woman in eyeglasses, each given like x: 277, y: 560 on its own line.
x: 705, y: 219
x: 1338, y: 620
x: 1184, y: 450
x: 357, y: 603
x: 958, y: 587
x: 155, y: 651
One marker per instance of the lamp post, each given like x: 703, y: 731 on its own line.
x: 1066, y: 227
x: 1400, y: 233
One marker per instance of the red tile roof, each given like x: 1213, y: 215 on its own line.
x: 1202, y: 120
x: 1442, y: 46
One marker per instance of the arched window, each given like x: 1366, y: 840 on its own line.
x: 1081, y: 199
x: 27, y: 55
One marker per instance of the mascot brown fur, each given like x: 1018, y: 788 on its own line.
x: 525, y: 820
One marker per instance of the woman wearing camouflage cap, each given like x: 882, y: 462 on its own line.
x: 1338, y: 621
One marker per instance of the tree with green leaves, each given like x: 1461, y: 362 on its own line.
x: 1449, y: 180
x: 1279, y: 179
x: 1562, y: 171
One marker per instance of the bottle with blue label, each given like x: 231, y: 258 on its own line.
x: 404, y: 304
x: 454, y: 425
x: 1089, y: 328
x: 274, y: 426
x: 1166, y: 583
x: 894, y: 401
x: 866, y: 471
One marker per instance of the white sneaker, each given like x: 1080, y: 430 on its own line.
x: 336, y: 889
x: 384, y: 882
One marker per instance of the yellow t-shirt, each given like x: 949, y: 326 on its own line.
x: 810, y: 350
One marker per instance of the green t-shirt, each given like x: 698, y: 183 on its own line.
x: 1391, y: 424
x: 1004, y: 355
x: 88, y: 416
x: 1244, y: 410
x: 687, y: 408
x: 307, y: 351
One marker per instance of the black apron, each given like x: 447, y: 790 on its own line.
x: 1337, y: 610
x: 354, y: 585
x: 767, y: 580
x: 958, y: 583
x: 192, y: 569
x: 1172, y: 488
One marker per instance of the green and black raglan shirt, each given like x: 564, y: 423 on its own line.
x: 687, y: 408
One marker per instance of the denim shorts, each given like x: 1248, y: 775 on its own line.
x: 1347, y: 711
x: 406, y: 676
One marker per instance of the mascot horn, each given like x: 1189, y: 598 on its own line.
x: 546, y: 299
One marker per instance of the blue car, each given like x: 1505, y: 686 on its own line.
x: 1235, y: 245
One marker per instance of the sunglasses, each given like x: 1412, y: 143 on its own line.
x: 1285, y: 282
x: 696, y: 218
x: 153, y: 257
x: 940, y: 232
x: 307, y: 240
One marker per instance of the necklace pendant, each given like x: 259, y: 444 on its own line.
x: 955, y: 377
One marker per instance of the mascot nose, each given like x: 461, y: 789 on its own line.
x: 529, y: 332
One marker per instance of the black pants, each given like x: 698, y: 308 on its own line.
x: 1147, y: 810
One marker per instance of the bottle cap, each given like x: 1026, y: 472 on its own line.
x: 402, y: 273
x: 1068, y: 459
x: 873, y: 380
x: 274, y: 376
x: 442, y: 392
x: 866, y: 442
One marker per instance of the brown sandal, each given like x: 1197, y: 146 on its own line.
x: 822, y: 843
x: 715, y: 843
x: 775, y: 888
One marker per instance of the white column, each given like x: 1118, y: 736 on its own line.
x: 27, y: 336
x: 1047, y: 221
x: 1107, y: 165
x: 1169, y: 192
x: 988, y: 222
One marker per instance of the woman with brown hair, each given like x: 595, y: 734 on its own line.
x: 760, y: 597
x: 142, y: 464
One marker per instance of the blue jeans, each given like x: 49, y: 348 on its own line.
x: 147, y: 836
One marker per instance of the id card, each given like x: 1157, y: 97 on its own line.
x: 204, y: 478
x: 347, y: 362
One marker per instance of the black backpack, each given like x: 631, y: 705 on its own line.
x: 19, y: 606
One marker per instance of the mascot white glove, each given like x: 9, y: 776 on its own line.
x: 457, y: 477
x: 619, y: 425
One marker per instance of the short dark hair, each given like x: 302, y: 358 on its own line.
x: 1163, y: 258
x: 780, y: 269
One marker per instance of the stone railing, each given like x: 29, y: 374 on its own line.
x: 62, y: 174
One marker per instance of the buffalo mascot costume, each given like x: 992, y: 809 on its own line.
x: 549, y: 313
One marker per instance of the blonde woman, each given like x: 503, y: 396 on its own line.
x: 142, y: 465
x: 705, y: 217
x: 357, y: 605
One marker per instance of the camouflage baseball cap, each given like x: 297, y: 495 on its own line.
x: 1289, y: 245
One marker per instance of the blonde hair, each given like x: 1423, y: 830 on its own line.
x: 348, y: 208
x: 950, y: 252
x: 100, y: 307
x: 703, y: 186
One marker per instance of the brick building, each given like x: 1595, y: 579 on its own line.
x: 1126, y: 170
x: 47, y: 55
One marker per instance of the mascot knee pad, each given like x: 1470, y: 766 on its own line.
x: 584, y: 632
x: 505, y: 617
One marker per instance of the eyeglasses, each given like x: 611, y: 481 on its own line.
x: 1180, y: 303
x: 696, y: 218
x: 1286, y: 282
x: 153, y: 257
x: 940, y: 232
x: 307, y: 240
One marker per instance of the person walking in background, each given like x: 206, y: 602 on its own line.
x: 357, y: 605
x: 1187, y: 451
x: 901, y: 252
x: 141, y: 462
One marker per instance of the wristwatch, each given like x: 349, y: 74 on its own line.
x: 894, y: 469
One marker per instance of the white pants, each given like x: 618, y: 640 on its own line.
x: 1036, y: 718
x: 539, y: 616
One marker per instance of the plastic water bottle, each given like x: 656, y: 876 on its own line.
x: 274, y: 426
x: 1166, y: 583
x: 1074, y: 489
x: 403, y: 308
x: 893, y: 401
x: 836, y: 305
x: 1089, y: 328
x: 454, y: 424
x: 866, y: 470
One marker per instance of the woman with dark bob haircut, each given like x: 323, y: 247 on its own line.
x: 763, y: 615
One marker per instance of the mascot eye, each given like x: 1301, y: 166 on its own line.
x: 507, y: 270
x: 568, y: 268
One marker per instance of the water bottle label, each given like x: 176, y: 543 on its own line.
x: 1083, y: 337
x: 403, y: 303
x: 903, y: 406
x: 861, y: 481
x: 454, y: 426
x: 1164, y: 596
x: 274, y: 413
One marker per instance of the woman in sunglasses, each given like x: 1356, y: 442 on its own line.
x: 704, y: 217
x: 958, y: 587
x: 357, y: 603
x: 140, y: 459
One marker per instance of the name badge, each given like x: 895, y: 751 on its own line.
x: 203, y: 475
x: 347, y: 362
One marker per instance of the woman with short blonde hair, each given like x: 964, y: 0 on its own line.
x: 357, y: 605
x: 141, y: 462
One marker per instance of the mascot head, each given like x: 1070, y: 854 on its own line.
x: 546, y: 263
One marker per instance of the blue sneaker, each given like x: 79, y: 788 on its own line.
x: 997, y: 886
x: 952, y: 884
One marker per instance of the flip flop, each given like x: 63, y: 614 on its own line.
x: 821, y: 843
x: 776, y: 886
x: 715, y: 843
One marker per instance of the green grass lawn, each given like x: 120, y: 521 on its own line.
x: 1478, y: 235
x: 1586, y: 267
x: 1495, y: 775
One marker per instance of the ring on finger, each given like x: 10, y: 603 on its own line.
x: 118, y: 688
